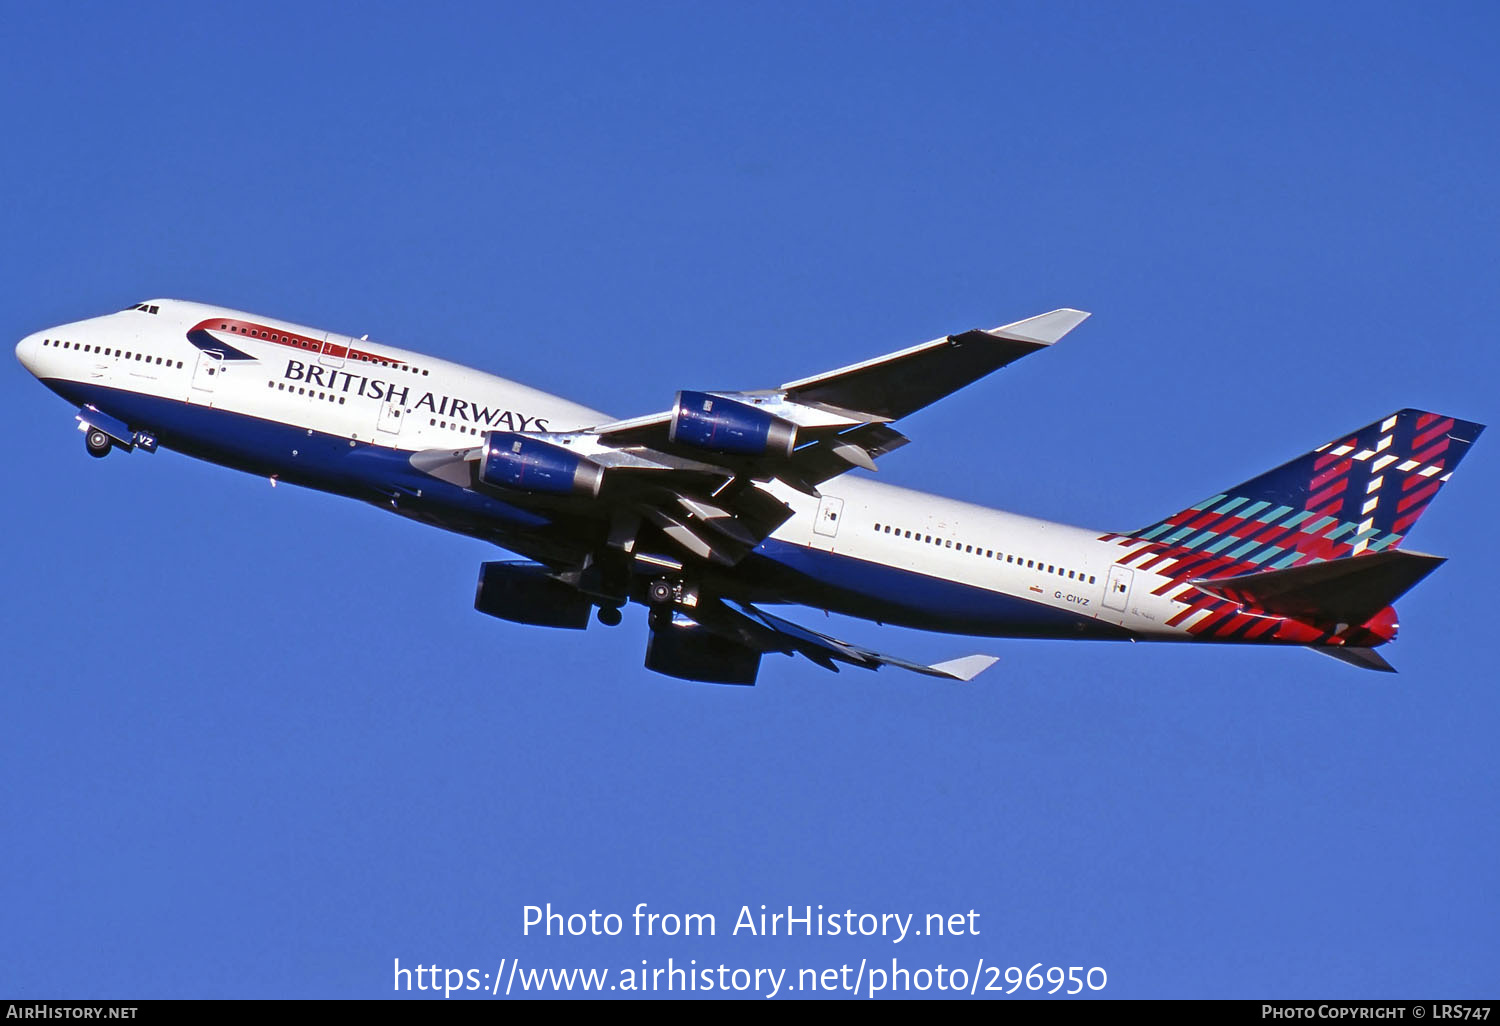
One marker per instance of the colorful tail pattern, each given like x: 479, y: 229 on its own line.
x: 1357, y: 494
x: 1361, y: 493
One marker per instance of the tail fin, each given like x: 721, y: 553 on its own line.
x: 1359, y: 493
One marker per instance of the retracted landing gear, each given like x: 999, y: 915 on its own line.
x: 97, y: 442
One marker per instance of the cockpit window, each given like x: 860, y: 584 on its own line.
x: 142, y: 307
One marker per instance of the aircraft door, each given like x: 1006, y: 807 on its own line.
x: 206, y: 373
x: 332, y: 353
x: 830, y: 509
x: 1117, y: 587
x: 391, y: 416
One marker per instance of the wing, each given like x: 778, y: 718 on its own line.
x: 902, y: 383
x: 888, y: 387
x: 693, y: 479
x: 656, y: 508
x: 721, y: 642
x: 785, y: 636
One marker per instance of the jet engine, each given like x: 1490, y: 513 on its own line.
x: 516, y: 461
x: 523, y: 592
x: 689, y: 652
x: 723, y: 425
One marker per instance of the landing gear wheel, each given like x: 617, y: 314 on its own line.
x: 609, y: 616
x: 660, y: 592
x: 97, y: 443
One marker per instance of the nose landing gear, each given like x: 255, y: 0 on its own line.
x: 97, y: 442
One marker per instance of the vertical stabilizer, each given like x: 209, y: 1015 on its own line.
x: 1360, y: 493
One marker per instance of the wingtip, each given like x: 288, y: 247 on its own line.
x: 965, y: 668
x: 1043, y: 329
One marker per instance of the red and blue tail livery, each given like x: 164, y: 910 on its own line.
x: 730, y: 501
x: 1345, y: 502
x: 1359, y: 493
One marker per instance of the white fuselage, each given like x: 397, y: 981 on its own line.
x: 246, y: 374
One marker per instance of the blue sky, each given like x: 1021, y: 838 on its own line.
x: 259, y: 744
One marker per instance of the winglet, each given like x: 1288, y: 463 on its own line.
x: 1043, y: 329
x: 965, y: 668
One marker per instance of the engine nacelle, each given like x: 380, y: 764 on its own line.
x: 723, y: 425
x: 517, y: 461
x: 524, y: 593
x: 689, y: 652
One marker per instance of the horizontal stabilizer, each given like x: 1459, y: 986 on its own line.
x: 1364, y: 658
x: 1349, y: 590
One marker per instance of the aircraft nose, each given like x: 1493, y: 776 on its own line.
x: 26, y: 351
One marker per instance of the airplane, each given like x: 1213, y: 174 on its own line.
x: 730, y: 501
